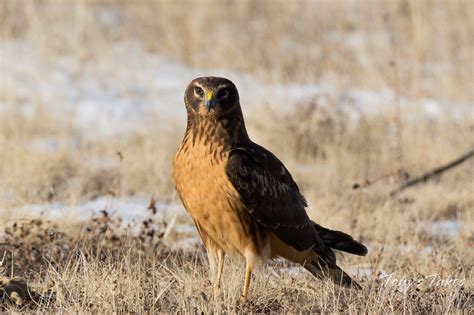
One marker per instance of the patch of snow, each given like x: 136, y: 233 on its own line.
x: 425, y: 250
x: 362, y: 272
x: 50, y: 145
x: 110, y: 17
x: 432, y: 108
x: 118, y: 91
x: 449, y: 228
x: 129, y: 210
x: 184, y: 229
x: 366, y: 272
x: 186, y: 244
x: 285, y: 268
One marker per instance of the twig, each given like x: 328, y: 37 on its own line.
x: 163, y: 291
x: 433, y: 173
x: 9, y: 244
x: 170, y: 227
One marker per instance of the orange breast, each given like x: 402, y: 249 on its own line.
x: 209, y: 197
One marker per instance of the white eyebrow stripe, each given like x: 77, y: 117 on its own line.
x: 199, y: 85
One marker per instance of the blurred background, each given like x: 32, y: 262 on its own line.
x: 348, y: 92
x: 355, y: 97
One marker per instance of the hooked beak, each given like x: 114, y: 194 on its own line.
x: 209, y: 100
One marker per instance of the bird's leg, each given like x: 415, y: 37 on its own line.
x: 211, y: 255
x: 248, y: 274
x: 220, y: 267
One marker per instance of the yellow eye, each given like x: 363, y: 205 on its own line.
x: 198, y: 92
x: 222, y: 94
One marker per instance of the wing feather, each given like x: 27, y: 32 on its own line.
x: 271, y: 195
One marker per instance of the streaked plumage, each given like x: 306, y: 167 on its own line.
x: 241, y: 197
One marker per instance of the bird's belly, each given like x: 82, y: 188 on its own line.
x: 214, y: 204
x: 231, y: 230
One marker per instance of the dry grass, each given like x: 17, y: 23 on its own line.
x: 419, y: 49
x: 75, y: 169
x: 95, y: 267
x: 104, y: 269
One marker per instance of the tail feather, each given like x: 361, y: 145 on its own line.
x: 320, y: 260
x: 340, y: 241
x: 322, y: 270
x: 323, y: 264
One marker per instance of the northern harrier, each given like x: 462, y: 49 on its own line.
x: 242, y: 198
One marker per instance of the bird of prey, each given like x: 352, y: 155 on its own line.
x: 242, y: 198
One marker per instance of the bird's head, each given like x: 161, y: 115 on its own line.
x: 211, y: 97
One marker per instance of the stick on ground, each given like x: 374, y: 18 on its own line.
x: 433, y: 173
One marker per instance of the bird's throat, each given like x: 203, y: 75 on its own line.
x: 221, y: 134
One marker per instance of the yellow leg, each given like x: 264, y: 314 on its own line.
x: 248, y: 274
x: 220, y: 267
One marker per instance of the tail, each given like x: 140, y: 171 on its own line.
x: 323, y: 264
x: 322, y: 270
x: 340, y: 241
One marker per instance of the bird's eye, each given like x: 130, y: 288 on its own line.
x: 222, y: 94
x: 198, y: 92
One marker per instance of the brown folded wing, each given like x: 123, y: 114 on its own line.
x: 271, y: 196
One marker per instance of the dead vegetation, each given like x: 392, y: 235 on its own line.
x: 102, y: 265
x: 419, y: 259
x: 415, y: 47
x: 94, y: 266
